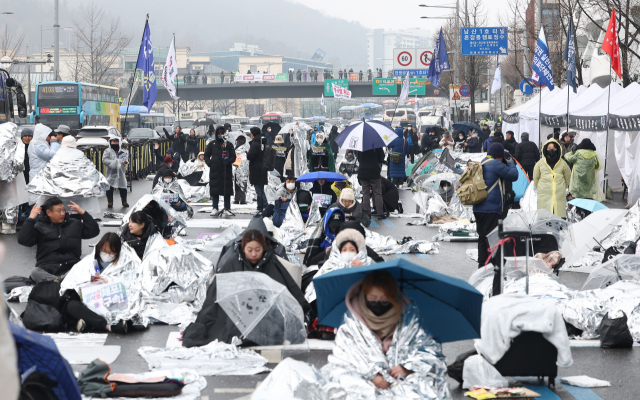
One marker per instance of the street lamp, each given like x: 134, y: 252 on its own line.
x: 7, y: 12
x: 457, y: 8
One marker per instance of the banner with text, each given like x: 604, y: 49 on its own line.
x: 340, y: 92
x: 243, y: 78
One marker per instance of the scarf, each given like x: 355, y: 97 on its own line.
x: 381, y: 326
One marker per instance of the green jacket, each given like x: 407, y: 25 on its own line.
x: 584, y: 177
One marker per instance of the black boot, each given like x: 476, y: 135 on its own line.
x: 124, y: 201
x: 110, y: 201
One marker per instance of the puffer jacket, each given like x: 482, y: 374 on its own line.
x: 370, y: 163
x: 40, y: 152
x: 255, y: 155
x: 527, y: 153
x: 59, y: 246
x: 398, y: 145
x: 220, y: 174
x: 492, y: 170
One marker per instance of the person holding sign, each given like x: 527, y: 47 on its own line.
x: 323, y: 195
x: 321, y: 155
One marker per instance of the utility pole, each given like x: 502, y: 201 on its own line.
x: 56, y: 43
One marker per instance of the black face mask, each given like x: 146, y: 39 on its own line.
x: 379, y: 308
x: 115, y: 147
x: 552, y: 153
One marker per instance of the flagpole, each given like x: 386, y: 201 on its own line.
x: 606, y: 146
x: 568, y: 107
x: 135, y: 71
x: 540, y: 119
x: 177, y: 94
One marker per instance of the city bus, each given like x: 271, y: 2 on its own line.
x: 317, y: 121
x: 139, y: 117
x: 371, y: 109
x: 351, y: 112
x: 400, y: 117
x: 278, y: 117
x: 389, y: 105
x: 76, y: 104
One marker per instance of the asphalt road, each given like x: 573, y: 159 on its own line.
x: 617, y: 366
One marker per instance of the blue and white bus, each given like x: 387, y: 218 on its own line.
x: 140, y: 117
x: 317, y: 120
x: 351, y: 112
x: 371, y: 109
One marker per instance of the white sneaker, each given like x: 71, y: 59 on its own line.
x: 214, y: 212
x: 226, y: 212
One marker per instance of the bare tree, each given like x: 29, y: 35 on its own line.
x: 224, y: 106
x: 9, y: 46
x: 285, y: 105
x: 99, y: 44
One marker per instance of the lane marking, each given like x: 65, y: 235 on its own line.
x: 374, y: 224
x: 404, y: 256
x: 388, y: 223
x: 233, y: 390
x: 544, y: 391
x: 423, y: 256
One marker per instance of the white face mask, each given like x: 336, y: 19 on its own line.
x: 348, y: 256
x: 168, y: 180
x: 291, y: 186
x: 319, y: 140
x: 106, y: 257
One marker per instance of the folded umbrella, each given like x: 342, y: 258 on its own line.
x: 364, y: 136
x: 450, y: 308
x: 588, y: 204
x: 464, y: 126
x: 314, y: 176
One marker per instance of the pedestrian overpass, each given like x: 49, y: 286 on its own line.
x: 270, y: 90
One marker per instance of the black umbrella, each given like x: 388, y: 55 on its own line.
x: 275, y: 128
x: 464, y: 126
x: 204, y: 122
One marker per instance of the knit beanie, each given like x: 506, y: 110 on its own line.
x: 496, y: 150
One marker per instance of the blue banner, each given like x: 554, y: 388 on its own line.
x: 484, y: 41
x: 541, y: 65
x: 410, y: 72
x: 145, y: 63
x: 439, y: 62
x: 570, y: 57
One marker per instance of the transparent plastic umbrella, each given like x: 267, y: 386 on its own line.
x: 623, y: 267
x: 262, y: 309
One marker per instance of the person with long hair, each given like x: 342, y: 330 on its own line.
x: 138, y: 231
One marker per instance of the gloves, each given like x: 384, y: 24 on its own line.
x: 574, y: 148
x: 507, y: 156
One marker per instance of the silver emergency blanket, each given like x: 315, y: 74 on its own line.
x: 112, y: 215
x: 20, y: 294
x: 572, y: 214
x: 114, y: 167
x: 294, y: 232
x: 272, y: 187
x: 302, y: 146
x: 241, y: 174
x: 357, y: 358
x: 629, y: 230
x: 529, y: 201
x: 450, y: 228
x: 69, y: 173
x: 174, y: 284
x: 127, y: 271
x: 333, y: 263
x: 385, y: 245
x: 189, y: 167
x: 176, y: 220
x: 215, y: 358
x: 11, y: 153
x: 173, y: 187
x: 194, y: 194
x: 432, y: 204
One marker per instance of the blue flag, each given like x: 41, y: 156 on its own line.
x: 541, y: 67
x: 570, y: 57
x: 145, y: 63
x: 439, y: 62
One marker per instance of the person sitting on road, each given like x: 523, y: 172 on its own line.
x: 339, y: 186
x: 323, y: 194
x: 446, y: 191
x: 304, y: 200
x: 169, y: 185
x: 138, y: 232
x: 106, y: 253
x: 58, y: 237
x: 349, y: 164
x: 352, y: 208
x: 166, y: 168
x: 283, y: 198
x: 213, y: 322
x: 323, y: 236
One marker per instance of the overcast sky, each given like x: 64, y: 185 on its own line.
x: 393, y: 14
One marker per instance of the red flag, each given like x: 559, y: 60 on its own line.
x: 610, y: 44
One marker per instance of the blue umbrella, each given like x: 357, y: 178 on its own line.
x: 449, y: 307
x: 314, y: 176
x: 41, y: 351
x: 588, y: 204
x: 464, y: 126
x: 364, y: 136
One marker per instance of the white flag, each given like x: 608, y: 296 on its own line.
x: 497, y: 79
x: 415, y: 105
x: 339, y: 92
x: 404, y: 94
x: 170, y: 72
x: 323, y: 104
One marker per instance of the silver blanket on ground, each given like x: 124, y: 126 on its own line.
x: 176, y: 220
x: 69, y: 173
x: 629, y: 230
x: 189, y: 167
x: 294, y: 232
x: 215, y: 358
x: 357, y: 358
x: 449, y: 228
x: 11, y: 152
x: 194, y: 194
x: 173, y: 187
x: 432, y: 205
x: 385, y: 245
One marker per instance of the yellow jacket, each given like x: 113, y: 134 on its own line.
x: 552, y: 183
x: 338, y: 191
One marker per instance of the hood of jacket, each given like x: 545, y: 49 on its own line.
x: 327, y: 218
x: 40, y: 134
x: 546, y: 145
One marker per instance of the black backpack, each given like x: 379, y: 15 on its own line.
x: 269, y: 158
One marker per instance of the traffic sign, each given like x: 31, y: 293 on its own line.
x: 465, y: 90
x: 328, y: 88
x: 424, y: 57
x: 385, y: 86
x: 410, y: 72
x: 404, y: 58
x: 436, y: 91
x: 525, y: 88
x: 481, y: 41
x: 457, y: 98
x: 417, y: 86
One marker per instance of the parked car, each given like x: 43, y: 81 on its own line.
x: 141, y: 135
x: 95, y: 136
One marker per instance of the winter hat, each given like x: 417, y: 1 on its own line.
x: 26, y: 132
x: 319, y: 135
x: 168, y: 160
x: 496, y: 150
x: 169, y: 151
x: 586, y: 144
x: 350, y: 235
x: 68, y: 141
x: 524, y: 136
x: 353, y: 225
x: 348, y: 194
x: 279, y: 139
x: 201, y: 153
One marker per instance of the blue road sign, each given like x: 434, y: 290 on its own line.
x: 484, y: 41
x: 525, y: 88
x: 410, y: 72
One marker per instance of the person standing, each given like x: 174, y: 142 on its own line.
x: 340, y: 73
x: 552, y: 176
x: 321, y: 155
x: 219, y: 156
x: 257, y: 173
x: 360, y: 76
x: 26, y: 135
x: 447, y: 141
x: 192, y: 145
x: 369, y: 178
x: 204, y: 78
x: 510, y: 143
x: 42, y: 149
x: 584, y: 175
x: 472, y: 144
x: 527, y: 154
x: 178, y: 141
x: 488, y: 212
x: 333, y: 134
x: 299, y: 76
x: 567, y: 142
x: 398, y: 150
x: 115, y: 161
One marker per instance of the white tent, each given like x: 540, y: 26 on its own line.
x: 625, y: 128
x: 558, y: 108
x: 530, y: 115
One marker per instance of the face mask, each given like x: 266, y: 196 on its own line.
x: 460, y: 137
x: 319, y: 140
x: 552, y: 153
x: 269, y: 130
x: 291, y: 186
x: 107, y: 257
x: 348, y: 256
x: 379, y: 308
x: 115, y: 147
x: 168, y: 180
x: 303, y: 208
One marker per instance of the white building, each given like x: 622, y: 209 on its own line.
x: 380, y: 45
x: 251, y: 48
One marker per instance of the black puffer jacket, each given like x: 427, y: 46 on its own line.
x: 527, y: 153
x: 26, y: 163
x: 220, y: 174
x: 177, y: 142
x: 370, y: 163
x: 59, y: 246
x: 255, y: 155
x: 510, y: 145
x: 138, y: 243
x: 332, y: 140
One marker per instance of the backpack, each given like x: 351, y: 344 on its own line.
x: 269, y: 158
x: 473, y: 189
